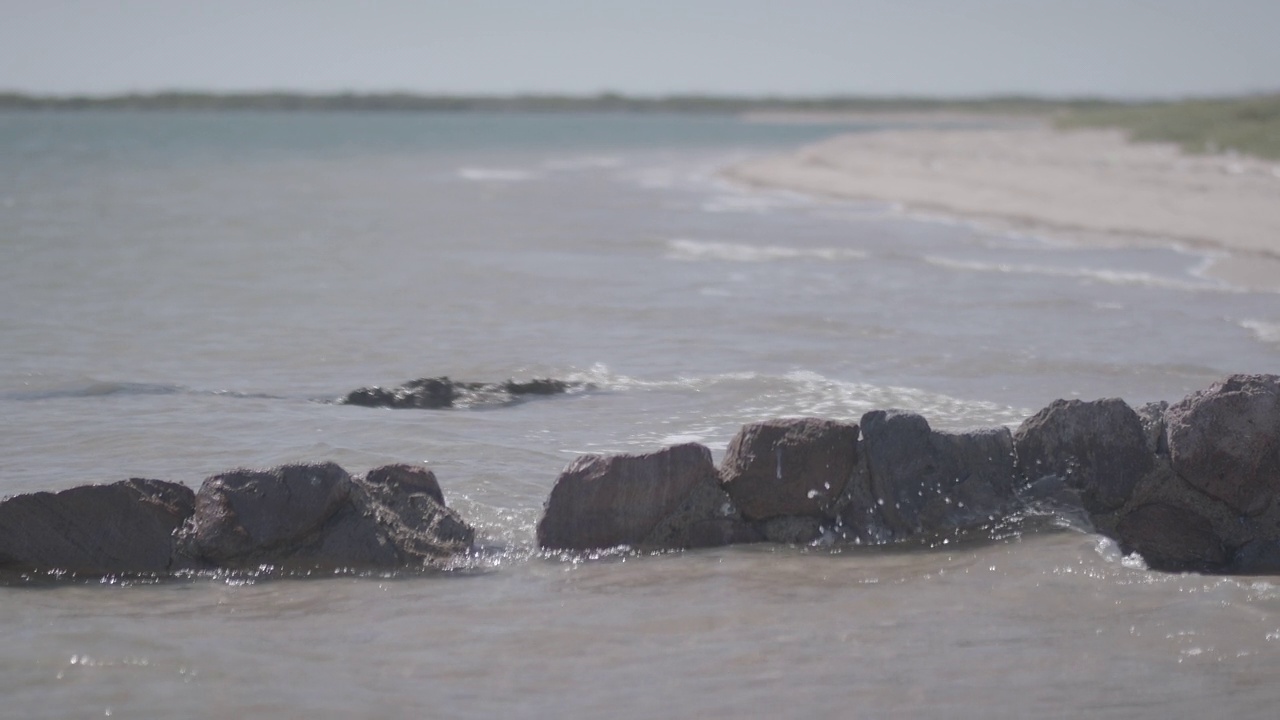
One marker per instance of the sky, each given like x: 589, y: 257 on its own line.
x: 1056, y: 48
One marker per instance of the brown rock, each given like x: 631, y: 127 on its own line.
x: 1172, y: 539
x: 316, y: 516
x: 1097, y: 447
x: 124, y: 527
x: 665, y: 499
x: 1225, y: 441
x: 793, y: 466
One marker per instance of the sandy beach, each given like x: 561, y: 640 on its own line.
x: 1081, y: 186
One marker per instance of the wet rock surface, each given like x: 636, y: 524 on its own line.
x: 1172, y: 538
x: 126, y: 526
x: 927, y: 481
x: 790, y: 467
x: 292, y: 517
x: 665, y: 499
x: 1099, y: 448
x: 1189, y: 486
x: 318, y: 516
x: 441, y: 392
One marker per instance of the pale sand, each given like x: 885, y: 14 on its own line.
x: 1090, y: 185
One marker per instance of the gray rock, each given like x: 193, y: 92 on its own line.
x: 705, y: 518
x: 1050, y: 496
x: 441, y: 392
x: 124, y: 527
x: 407, y: 479
x: 1097, y: 447
x: 408, y: 507
x: 1225, y: 441
x: 424, y: 393
x: 1151, y: 416
x: 1171, y: 538
x: 664, y: 499
x: 1256, y: 557
x: 297, y: 517
x: 793, y: 529
x: 933, y: 482
x: 794, y: 466
x: 861, y: 519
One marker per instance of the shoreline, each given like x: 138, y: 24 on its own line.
x: 1080, y: 186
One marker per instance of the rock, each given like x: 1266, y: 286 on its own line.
x: 793, y: 529
x: 542, y: 386
x: 124, y: 527
x: 406, y: 503
x: 1256, y: 557
x: 1097, y: 447
x: 441, y: 392
x: 665, y: 499
x: 1050, y: 495
x: 427, y: 393
x: 408, y: 479
x: 937, y: 482
x: 1225, y: 441
x: 316, y: 516
x: 1172, y: 539
x: 1151, y: 416
x: 794, y: 466
x: 705, y: 518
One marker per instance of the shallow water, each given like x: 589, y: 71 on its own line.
x: 181, y: 294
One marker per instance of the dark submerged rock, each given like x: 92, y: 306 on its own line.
x: 936, y: 482
x: 793, y: 529
x: 441, y: 392
x: 1256, y: 557
x: 1099, y: 448
x: 317, y: 516
x: 124, y: 527
x: 1225, y: 441
x: 425, y: 393
x: 659, y: 500
x: 1172, y: 538
x: 790, y: 467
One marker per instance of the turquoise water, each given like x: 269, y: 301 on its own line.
x: 180, y: 294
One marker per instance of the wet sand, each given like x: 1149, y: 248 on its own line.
x: 1082, y: 186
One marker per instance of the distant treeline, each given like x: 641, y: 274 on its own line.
x: 604, y: 102
x: 1245, y: 124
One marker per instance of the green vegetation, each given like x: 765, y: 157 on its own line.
x: 1246, y: 125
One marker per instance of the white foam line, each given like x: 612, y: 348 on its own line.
x: 691, y: 250
x: 479, y: 174
x: 1113, y: 277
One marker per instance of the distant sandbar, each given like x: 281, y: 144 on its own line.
x: 1084, y: 185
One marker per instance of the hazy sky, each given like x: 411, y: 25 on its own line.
x: 792, y: 47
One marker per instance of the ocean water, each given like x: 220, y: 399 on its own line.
x: 181, y: 294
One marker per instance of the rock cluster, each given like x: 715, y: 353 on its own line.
x: 1190, y: 486
x: 290, y: 518
x: 661, y: 500
x: 793, y: 480
x: 441, y: 392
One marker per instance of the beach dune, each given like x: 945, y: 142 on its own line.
x: 1082, y: 185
